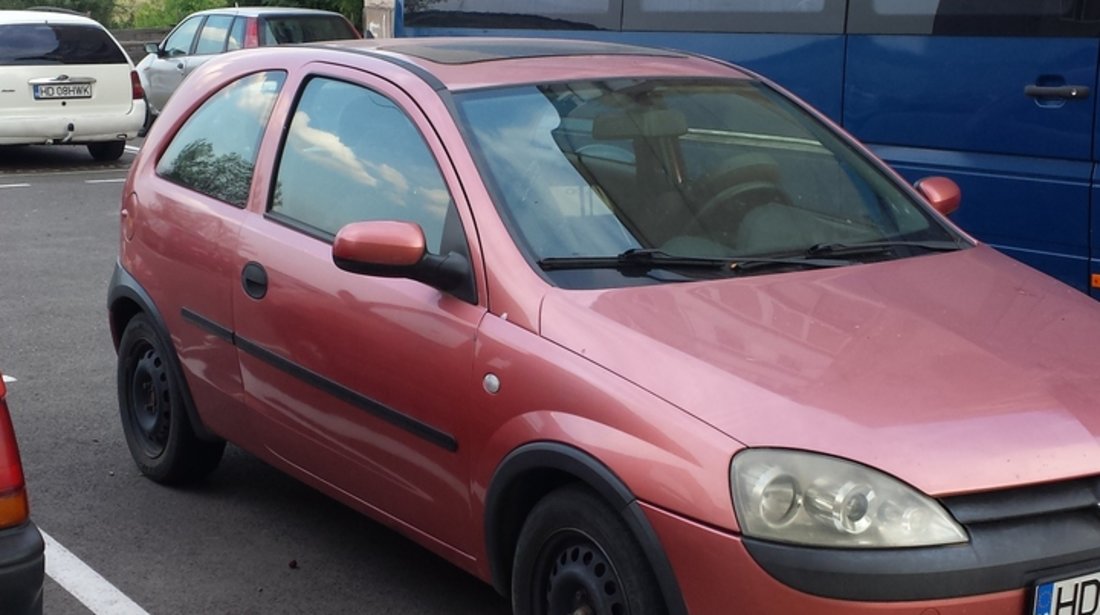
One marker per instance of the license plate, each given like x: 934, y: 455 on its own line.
x: 1076, y: 596
x: 62, y: 90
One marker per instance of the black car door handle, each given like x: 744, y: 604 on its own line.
x: 1070, y: 92
x: 254, y: 280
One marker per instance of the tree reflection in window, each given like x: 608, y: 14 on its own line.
x: 215, y: 151
x: 227, y: 177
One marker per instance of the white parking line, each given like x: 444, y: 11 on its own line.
x: 15, y: 185
x: 116, y: 180
x: 85, y: 584
x: 8, y: 379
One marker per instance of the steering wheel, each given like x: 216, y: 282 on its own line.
x: 721, y: 213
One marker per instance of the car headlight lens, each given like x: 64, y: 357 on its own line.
x: 813, y: 499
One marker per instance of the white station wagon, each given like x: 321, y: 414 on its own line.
x: 65, y: 80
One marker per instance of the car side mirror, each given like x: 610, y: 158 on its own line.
x: 153, y: 48
x: 395, y: 249
x: 942, y: 194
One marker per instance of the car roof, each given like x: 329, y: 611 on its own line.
x: 31, y: 17
x: 463, y: 63
x: 266, y: 11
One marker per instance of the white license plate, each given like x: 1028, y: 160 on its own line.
x: 62, y: 90
x: 1076, y: 596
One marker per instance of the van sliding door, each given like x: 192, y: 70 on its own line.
x: 999, y: 95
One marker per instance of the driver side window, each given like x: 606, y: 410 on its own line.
x: 352, y: 154
x: 179, y: 42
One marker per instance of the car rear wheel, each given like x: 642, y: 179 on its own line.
x: 107, y: 151
x: 576, y: 556
x: 154, y: 416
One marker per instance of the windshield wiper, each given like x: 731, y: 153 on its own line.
x: 635, y: 258
x: 879, y: 247
x: 645, y: 259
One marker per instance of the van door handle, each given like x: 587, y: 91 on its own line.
x: 1066, y: 92
x: 254, y: 280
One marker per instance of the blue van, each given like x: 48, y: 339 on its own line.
x: 999, y: 95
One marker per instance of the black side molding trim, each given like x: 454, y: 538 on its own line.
x: 418, y: 428
x: 339, y: 391
x: 207, y: 325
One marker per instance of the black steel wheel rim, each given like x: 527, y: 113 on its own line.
x: 575, y: 577
x: 150, y: 401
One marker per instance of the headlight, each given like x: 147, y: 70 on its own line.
x: 812, y: 499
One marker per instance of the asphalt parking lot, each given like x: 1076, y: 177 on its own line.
x: 248, y: 540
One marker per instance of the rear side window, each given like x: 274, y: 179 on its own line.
x: 31, y: 44
x: 213, y: 34
x: 215, y: 151
x: 304, y: 29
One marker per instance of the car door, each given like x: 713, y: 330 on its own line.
x: 999, y: 96
x: 162, y: 72
x: 186, y: 215
x: 360, y: 384
x: 191, y: 44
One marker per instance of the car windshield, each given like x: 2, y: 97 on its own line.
x: 627, y: 181
x: 36, y: 44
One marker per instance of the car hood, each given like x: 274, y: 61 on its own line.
x: 954, y: 372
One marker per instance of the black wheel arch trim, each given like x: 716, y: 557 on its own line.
x: 560, y: 457
x: 124, y: 286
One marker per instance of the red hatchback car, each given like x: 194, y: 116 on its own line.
x: 618, y: 330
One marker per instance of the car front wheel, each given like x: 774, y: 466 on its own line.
x: 154, y: 416
x: 575, y: 555
x: 107, y: 150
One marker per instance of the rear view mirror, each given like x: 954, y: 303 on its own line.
x: 396, y: 250
x: 942, y: 194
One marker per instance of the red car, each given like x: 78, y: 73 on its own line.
x: 616, y: 329
x: 22, y: 563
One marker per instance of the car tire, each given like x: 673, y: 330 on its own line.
x: 575, y: 555
x: 107, y: 151
x: 153, y: 408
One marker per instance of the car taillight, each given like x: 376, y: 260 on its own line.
x: 137, y: 92
x: 252, y: 33
x: 13, y: 496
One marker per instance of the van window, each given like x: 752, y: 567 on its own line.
x: 790, y: 16
x: 972, y: 17
x: 525, y: 14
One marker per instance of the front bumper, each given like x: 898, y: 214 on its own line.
x: 86, y: 128
x: 718, y: 576
x: 1018, y: 538
x: 22, y: 570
